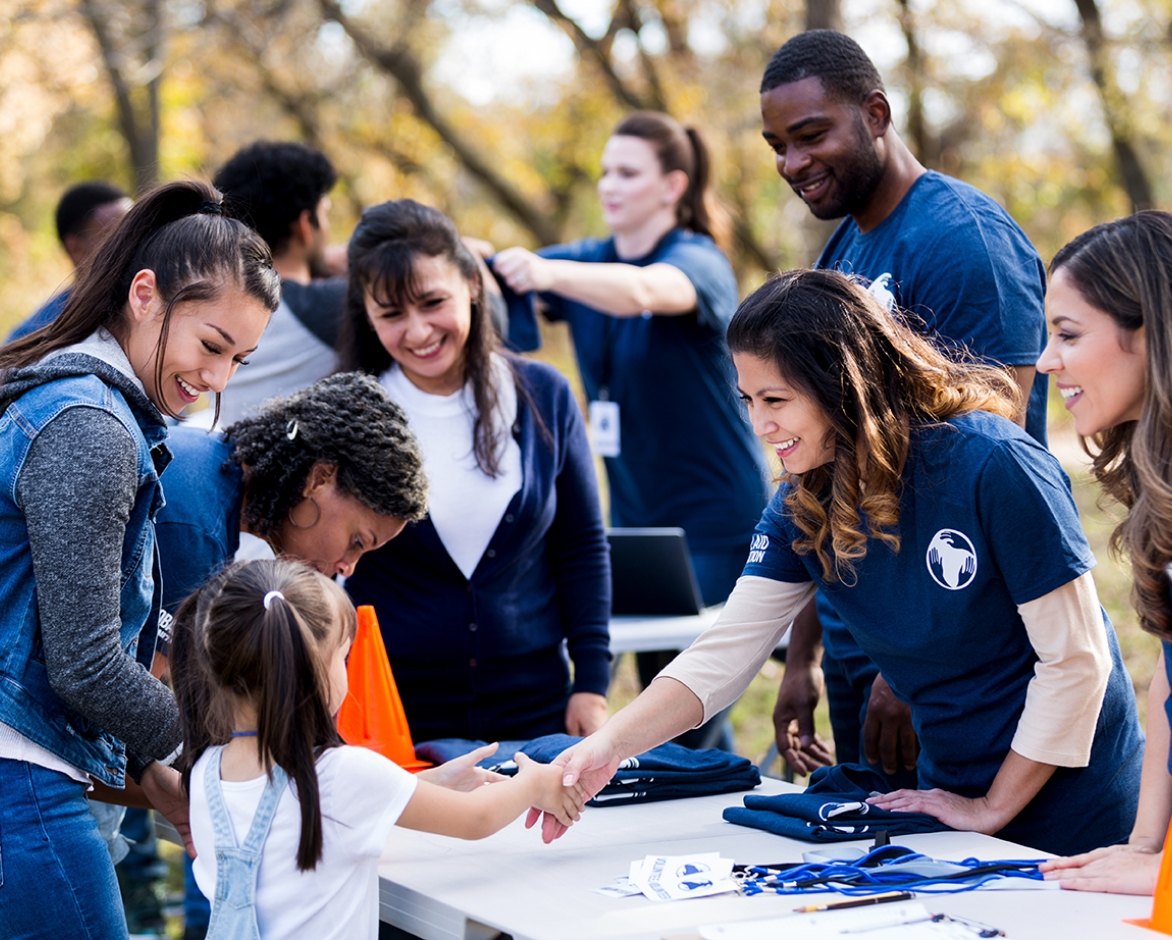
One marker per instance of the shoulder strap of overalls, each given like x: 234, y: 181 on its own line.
x: 222, y: 822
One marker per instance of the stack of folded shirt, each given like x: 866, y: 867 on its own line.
x: 832, y: 809
x: 667, y: 772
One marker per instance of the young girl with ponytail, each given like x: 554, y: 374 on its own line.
x: 648, y: 308
x: 171, y: 304
x: 289, y: 822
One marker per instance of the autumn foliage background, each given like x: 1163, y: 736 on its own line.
x: 1057, y: 108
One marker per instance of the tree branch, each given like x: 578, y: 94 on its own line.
x: 593, y: 51
x: 142, y: 142
x: 1116, y: 110
x: 398, y: 62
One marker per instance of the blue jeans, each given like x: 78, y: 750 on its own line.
x: 56, y: 878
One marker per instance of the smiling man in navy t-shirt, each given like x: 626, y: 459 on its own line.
x: 928, y: 245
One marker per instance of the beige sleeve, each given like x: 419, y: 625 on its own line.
x: 723, y: 660
x: 1063, y: 700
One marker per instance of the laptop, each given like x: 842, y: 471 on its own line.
x: 652, y: 573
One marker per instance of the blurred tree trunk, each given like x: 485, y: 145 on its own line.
x: 1116, y: 109
x: 130, y: 39
x: 824, y: 14
x: 916, y: 127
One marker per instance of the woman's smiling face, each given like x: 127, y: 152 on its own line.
x: 1098, y: 366
x: 427, y: 334
x: 788, y: 419
x: 206, y: 341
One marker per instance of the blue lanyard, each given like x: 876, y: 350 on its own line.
x: 883, y: 869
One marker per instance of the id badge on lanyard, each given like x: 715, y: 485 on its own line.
x: 603, y: 413
x: 604, y: 427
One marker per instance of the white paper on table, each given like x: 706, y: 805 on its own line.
x: 675, y: 877
x: 896, y: 921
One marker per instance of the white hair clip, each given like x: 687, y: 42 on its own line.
x: 291, y: 429
x: 269, y: 598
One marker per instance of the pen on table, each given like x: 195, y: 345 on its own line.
x: 856, y: 902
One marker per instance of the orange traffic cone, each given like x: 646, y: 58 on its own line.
x: 1161, y: 919
x: 372, y: 715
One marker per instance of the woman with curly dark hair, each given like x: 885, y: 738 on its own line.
x: 476, y: 600
x: 950, y: 544
x: 320, y: 476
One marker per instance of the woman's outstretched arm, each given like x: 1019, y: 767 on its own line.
x: 622, y: 290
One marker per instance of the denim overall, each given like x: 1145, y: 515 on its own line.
x: 234, y: 907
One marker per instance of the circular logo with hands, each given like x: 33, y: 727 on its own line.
x: 952, y: 560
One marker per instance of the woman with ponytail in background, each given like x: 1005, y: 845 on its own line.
x: 648, y: 308
x: 168, y: 308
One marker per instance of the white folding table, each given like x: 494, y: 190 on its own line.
x: 644, y: 634
x: 438, y: 887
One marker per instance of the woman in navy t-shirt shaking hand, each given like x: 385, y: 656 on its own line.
x: 648, y: 308
x: 948, y: 541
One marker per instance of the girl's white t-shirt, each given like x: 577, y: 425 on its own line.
x: 362, y: 796
x: 465, y: 504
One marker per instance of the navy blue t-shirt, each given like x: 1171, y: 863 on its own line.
x: 688, y: 457
x: 955, y: 259
x: 987, y: 523
x: 42, y: 316
x: 198, y: 531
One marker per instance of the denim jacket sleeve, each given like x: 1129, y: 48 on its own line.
x: 578, y: 551
x: 76, y: 500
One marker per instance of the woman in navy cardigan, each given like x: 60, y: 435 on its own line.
x: 476, y: 600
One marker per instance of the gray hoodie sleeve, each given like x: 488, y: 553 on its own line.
x: 77, y: 489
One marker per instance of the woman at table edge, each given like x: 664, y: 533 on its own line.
x: 320, y: 476
x: 938, y: 402
x: 1109, y: 308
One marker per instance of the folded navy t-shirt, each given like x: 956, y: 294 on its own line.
x: 832, y: 809
x: 667, y: 772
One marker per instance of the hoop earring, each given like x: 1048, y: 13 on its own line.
x: 293, y: 522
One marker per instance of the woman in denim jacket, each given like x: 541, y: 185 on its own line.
x: 170, y: 305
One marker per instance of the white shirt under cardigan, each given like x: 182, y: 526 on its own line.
x: 464, y: 503
x: 362, y: 796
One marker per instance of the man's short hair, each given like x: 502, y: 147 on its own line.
x: 268, y: 185
x: 847, y: 74
x: 79, y: 203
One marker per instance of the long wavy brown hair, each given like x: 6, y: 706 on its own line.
x: 1124, y: 269
x: 876, y: 379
